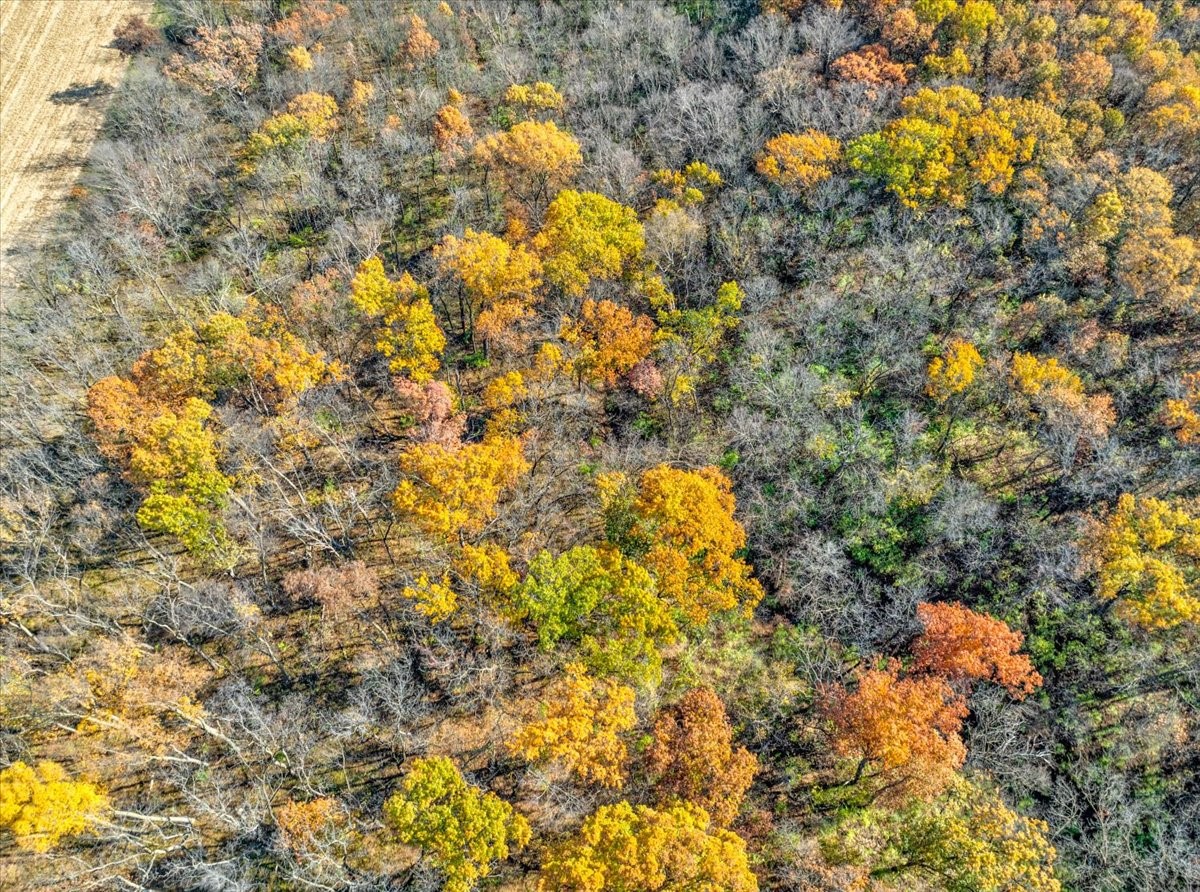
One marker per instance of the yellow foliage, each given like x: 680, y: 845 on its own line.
x: 1147, y: 555
x: 453, y: 491
x: 504, y: 391
x: 610, y: 341
x: 435, y: 600
x: 299, y: 58
x: 540, y: 95
x: 588, y: 236
x: 499, y: 279
x: 622, y: 848
x: 488, y: 567
x: 954, y: 372
x: 1182, y: 415
x: 581, y: 725
x: 968, y: 838
x: 533, y: 156
x: 1034, y: 375
x: 685, y: 522
x: 40, y: 805
x: 799, y: 161
x: 409, y: 334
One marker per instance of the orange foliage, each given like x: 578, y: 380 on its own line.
x: 907, y: 728
x: 959, y: 643
x: 871, y: 65
x: 610, y: 341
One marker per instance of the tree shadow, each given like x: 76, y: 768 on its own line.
x: 81, y: 94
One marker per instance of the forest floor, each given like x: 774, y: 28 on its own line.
x: 57, y: 69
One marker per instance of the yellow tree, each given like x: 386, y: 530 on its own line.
x: 409, y: 334
x: 450, y: 492
x: 799, y: 161
x: 40, y: 805
x: 534, y: 158
x: 586, y: 236
x: 497, y: 281
x: 682, y: 525
x: 954, y: 371
x: 581, y: 727
x: 966, y: 841
x: 1146, y: 553
x: 462, y: 829
x: 626, y: 848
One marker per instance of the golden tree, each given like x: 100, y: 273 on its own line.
x: 955, y: 370
x: 448, y: 492
x: 461, y: 828
x: 586, y: 236
x: 609, y: 341
x: 626, y: 848
x: 409, y: 334
x: 534, y: 158
x: 1147, y: 556
x: 581, y: 727
x: 799, y: 161
x: 1182, y: 414
x: 40, y: 805
x: 682, y: 524
x: 693, y: 757
x: 498, y: 281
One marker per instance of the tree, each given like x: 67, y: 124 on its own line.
x: 432, y: 598
x: 693, y: 757
x: 1182, y: 414
x: 586, y: 236
x: 870, y: 64
x: 449, y: 492
x: 955, y: 371
x: 409, y: 334
x: 135, y: 35
x: 420, y: 46
x: 1058, y: 393
x: 461, y: 828
x: 539, y: 96
x: 226, y: 59
x: 966, y: 841
x: 681, y: 524
x: 534, y: 158
x: 603, y: 603
x: 498, y: 281
x: 452, y: 131
x: 309, y: 116
x: 945, y: 145
x: 625, y: 848
x: 609, y: 339
x: 907, y: 728
x: 1146, y: 553
x: 40, y: 805
x: 799, y: 161
x: 961, y: 645
x: 581, y: 727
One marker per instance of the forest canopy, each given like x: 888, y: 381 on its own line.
x: 613, y: 446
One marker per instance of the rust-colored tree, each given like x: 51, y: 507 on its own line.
x: 693, y: 757
x: 961, y: 645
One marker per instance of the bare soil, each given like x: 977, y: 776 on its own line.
x: 57, y: 69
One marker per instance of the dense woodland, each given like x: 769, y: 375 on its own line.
x: 596, y: 446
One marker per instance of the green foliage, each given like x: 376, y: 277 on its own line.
x: 462, y: 829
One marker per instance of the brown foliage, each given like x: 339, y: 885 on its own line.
x: 694, y: 759
x: 339, y: 590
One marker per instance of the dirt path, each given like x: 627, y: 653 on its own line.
x: 56, y: 70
